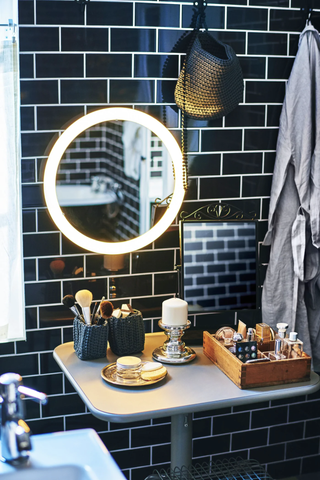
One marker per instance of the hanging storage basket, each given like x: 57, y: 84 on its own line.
x: 210, y: 84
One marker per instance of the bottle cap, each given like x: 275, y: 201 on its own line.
x: 293, y: 336
x: 282, y: 326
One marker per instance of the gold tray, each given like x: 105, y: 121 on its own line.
x: 109, y: 374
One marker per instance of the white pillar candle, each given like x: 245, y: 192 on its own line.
x: 174, y: 312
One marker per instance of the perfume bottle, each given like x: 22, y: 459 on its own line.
x: 263, y: 333
x: 292, y: 346
x: 282, y: 330
x: 282, y: 333
x: 277, y: 354
x: 250, y: 335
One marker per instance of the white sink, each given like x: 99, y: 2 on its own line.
x: 80, y: 195
x: 68, y: 472
x: 73, y: 455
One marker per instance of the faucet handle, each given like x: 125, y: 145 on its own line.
x: 33, y: 394
x: 11, y: 386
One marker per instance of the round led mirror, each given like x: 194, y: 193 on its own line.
x: 125, y: 137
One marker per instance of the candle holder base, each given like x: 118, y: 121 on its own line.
x: 173, y: 349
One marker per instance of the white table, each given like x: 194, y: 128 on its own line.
x: 191, y: 387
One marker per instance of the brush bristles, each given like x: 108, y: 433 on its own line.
x: 84, y: 298
x: 68, y: 301
x: 106, y: 309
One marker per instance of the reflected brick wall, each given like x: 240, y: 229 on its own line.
x: 219, y: 266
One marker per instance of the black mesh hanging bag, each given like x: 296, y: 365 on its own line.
x: 210, y: 84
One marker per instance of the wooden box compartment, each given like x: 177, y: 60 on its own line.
x: 255, y: 374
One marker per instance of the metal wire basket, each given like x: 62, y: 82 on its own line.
x: 232, y: 469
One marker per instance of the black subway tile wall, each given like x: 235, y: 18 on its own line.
x: 75, y: 60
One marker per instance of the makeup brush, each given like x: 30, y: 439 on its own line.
x: 95, y: 311
x: 69, y: 302
x: 57, y: 266
x: 98, y: 309
x: 106, y: 309
x: 84, y: 298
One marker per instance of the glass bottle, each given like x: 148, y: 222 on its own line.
x: 277, y: 354
x: 292, y: 346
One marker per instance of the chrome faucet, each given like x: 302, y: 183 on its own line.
x: 100, y: 183
x: 15, y: 433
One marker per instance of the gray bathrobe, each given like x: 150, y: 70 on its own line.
x: 291, y: 291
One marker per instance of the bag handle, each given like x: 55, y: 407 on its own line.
x: 198, y: 21
x: 199, y: 15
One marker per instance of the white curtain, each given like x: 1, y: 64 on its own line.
x: 12, y: 317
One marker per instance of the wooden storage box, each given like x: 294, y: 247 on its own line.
x: 255, y: 374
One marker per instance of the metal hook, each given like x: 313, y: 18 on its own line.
x: 308, y: 12
x: 83, y: 4
x: 199, y: 9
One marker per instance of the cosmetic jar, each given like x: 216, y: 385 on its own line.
x: 129, y: 368
x: 225, y: 335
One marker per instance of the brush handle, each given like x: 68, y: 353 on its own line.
x: 86, y: 315
x: 75, y: 311
x: 98, y: 309
x: 94, y: 310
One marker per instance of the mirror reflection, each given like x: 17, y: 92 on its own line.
x: 110, y: 179
x: 219, y: 265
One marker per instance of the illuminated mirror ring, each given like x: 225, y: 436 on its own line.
x: 58, y: 150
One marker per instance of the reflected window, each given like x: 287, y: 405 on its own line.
x: 12, y: 319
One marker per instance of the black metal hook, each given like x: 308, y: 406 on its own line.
x: 83, y: 4
x: 199, y: 13
x: 308, y: 13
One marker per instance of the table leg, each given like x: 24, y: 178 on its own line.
x: 181, y: 440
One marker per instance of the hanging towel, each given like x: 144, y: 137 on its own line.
x: 294, y: 214
x: 134, y: 148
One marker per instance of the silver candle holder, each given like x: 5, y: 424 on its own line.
x: 174, y: 349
